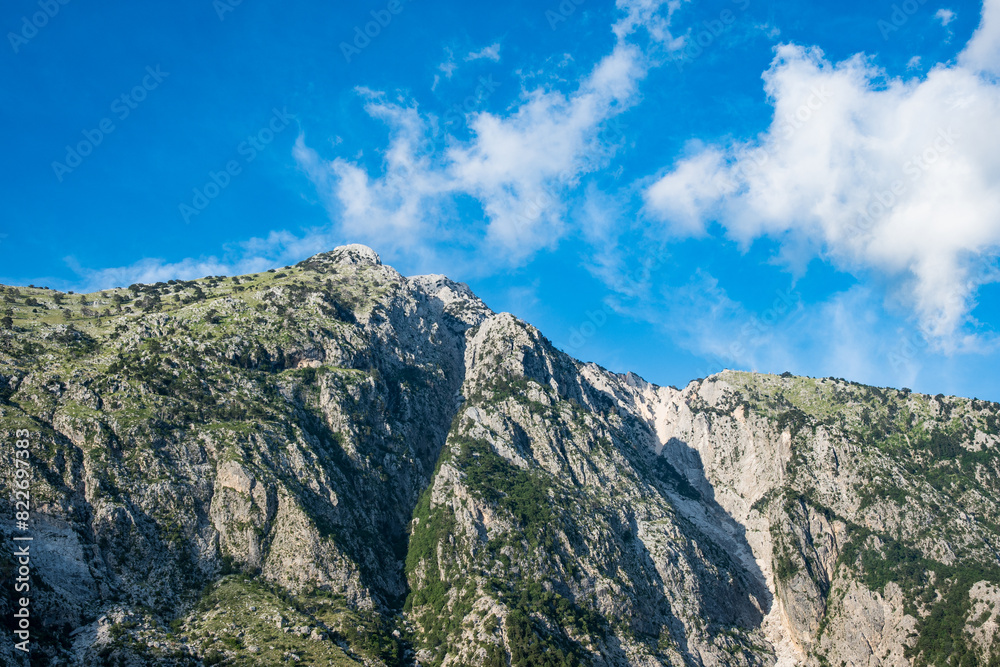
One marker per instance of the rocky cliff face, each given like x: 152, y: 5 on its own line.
x: 335, y: 464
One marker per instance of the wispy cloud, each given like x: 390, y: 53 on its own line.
x: 491, y: 52
x: 655, y: 17
x: 945, y: 16
x: 447, y: 67
x: 406, y: 205
x: 517, y: 167
x: 844, y: 335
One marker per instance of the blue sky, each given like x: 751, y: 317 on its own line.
x: 664, y: 187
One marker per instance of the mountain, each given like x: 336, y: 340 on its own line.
x: 334, y: 464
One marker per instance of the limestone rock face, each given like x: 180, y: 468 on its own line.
x: 335, y: 464
x: 355, y: 254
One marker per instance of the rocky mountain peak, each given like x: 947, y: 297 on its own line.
x: 452, y: 298
x: 354, y: 253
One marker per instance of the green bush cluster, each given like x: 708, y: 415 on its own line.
x: 532, y: 646
x: 524, y: 494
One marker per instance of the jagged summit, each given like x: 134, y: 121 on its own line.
x: 354, y: 253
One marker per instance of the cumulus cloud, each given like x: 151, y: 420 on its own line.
x: 899, y: 178
x: 982, y: 53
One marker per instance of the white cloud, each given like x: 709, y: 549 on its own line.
x: 150, y: 270
x: 945, y: 16
x: 896, y: 177
x: 770, y: 31
x: 689, y: 191
x: 650, y: 15
x: 982, y: 53
x: 448, y: 67
x: 402, y: 207
x: 518, y: 165
x: 491, y: 52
